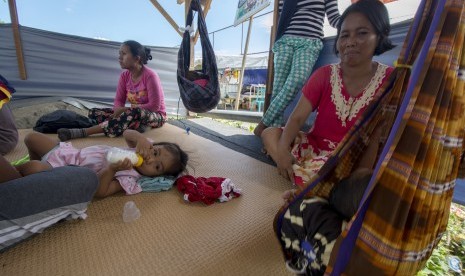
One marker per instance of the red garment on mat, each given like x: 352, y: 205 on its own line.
x: 207, y: 190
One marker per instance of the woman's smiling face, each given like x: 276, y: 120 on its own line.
x: 357, y: 40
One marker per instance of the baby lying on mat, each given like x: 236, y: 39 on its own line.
x: 163, y: 158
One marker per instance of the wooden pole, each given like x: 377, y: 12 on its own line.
x: 167, y: 16
x: 270, y: 73
x: 17, y: 39
x: 244, y: 58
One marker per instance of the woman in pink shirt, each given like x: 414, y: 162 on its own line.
x: 138, y: 85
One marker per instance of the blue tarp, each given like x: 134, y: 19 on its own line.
x: 255, y: 76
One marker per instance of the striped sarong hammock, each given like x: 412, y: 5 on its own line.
x: 405, y: 209
x: 200, y: 90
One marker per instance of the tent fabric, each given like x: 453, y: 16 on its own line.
x: 235, y: 62
x: 406, y: 207
x: 198, y: 97
x: 73, y: 66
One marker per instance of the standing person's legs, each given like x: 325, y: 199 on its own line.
x: 303, y: 61
x: 33, y: 203
x: 283, y: 56
x: 302, y: 66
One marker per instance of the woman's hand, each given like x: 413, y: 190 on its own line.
x: 284, y: 163
x: 300, y: 136
x: 288, y: 196
x: 120, y: 165
x: 118, y: 111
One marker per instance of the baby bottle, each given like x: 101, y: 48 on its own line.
x: 116, y: 154
x: 130, y: 212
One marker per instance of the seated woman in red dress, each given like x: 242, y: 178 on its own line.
x: 339, y: 93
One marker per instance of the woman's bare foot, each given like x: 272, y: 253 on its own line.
x: 259, y: 129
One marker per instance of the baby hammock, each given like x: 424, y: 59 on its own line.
x: 405, y: 208
x: 195, y: 94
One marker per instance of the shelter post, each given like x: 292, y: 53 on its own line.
x: 244, y: 58
x: 17, y: 39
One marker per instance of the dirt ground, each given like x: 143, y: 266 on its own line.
x: 27, y: 116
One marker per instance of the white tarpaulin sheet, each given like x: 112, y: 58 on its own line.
x: 72, y: 66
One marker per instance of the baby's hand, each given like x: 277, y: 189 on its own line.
x: 288, y: 196
x: 121, y: 165
x: 144, y: 148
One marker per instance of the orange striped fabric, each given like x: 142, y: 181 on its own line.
x: 409, y: 206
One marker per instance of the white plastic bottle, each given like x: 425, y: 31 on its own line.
x: 116, y: 154
x: 130, y: 212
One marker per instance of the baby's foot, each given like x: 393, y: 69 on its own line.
x: 65, y: 134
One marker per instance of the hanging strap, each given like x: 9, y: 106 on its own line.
x: 207, y: 49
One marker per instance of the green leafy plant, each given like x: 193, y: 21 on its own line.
x: 451, y: 244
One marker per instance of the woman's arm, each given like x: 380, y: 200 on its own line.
x: 108, y: 185
x: 332, y: 11
x: 291, y: 130
x: 121, y: 93
x: 154, y: 92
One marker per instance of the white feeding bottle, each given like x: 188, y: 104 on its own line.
x: 116, y: 154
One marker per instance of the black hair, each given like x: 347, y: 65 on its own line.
x: 377, y: 13
x: 138, y: 50
x: 346, y: 195
x: 179, y: 155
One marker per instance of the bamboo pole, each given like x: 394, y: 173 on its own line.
x: 270, y: 73
x: 17, y: 39
x: 167, y: 16
x: 244, y: 58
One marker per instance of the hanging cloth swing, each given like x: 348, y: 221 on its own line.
x: 200, y: 91
x: 405, y: 208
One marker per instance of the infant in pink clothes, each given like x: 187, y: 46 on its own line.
x: 159, y: 159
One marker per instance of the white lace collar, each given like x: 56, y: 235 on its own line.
x: 347, y: 110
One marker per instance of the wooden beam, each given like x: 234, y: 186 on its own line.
x: 270, y: 73
x: 167, y: 16
x: 17, y: 39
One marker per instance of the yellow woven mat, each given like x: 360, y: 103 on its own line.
x: 171, y: 237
